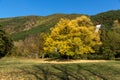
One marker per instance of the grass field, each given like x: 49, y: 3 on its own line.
x: 27, y: 69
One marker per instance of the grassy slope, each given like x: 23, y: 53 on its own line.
x: 16, y: 69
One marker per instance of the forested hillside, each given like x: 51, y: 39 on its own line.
x: 106, y: 18
x: 20, y: 27
x: 28, y: 32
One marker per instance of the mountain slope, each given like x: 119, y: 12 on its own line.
x: 21, y: 27
x: 106, y: 18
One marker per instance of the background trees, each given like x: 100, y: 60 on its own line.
x: 111, y: 40
x: 72, y: 37
x: 30, y: 47
x: 5, y: 43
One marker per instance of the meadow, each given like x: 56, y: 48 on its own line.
x: 37, y: 69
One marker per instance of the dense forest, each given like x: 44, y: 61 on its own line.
x: 28, y: 35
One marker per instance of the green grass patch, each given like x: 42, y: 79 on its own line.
x: 24, y: 69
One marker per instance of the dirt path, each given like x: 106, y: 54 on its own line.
x: 63, y: 61
x: 73, y: 61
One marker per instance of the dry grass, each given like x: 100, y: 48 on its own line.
x: 47, y: 69
x: 58, y: 61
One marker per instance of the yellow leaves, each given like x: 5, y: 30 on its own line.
x: 73, y: 24
x: 84, y: 21
x: 72, y: 37
x: 116, y: 24
x: 77, y: 41
x: 92, y: 28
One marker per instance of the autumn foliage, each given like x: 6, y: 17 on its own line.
x: 72, y: 37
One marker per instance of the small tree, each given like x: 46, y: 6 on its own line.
x: 72, y: 37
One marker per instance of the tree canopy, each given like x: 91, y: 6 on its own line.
x: 72, y: 37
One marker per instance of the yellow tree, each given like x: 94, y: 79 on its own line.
x: 72, y: 37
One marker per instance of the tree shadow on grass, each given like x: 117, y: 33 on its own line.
x: 54, y: 72
x: 68, y: 73
x: 39, y: 72
x: 97, y: 74
x: 60, y: 72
